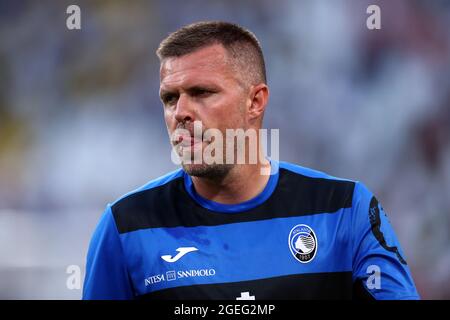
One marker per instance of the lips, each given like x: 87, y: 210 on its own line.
x: 184, y: 140
x: 188, y: 141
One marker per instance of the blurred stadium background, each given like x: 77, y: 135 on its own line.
x: 81, y: 122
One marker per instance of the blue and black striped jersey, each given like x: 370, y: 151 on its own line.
x: 306, y: 236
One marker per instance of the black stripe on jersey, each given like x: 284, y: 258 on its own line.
x: 333, y: 285
x: 375, y: 222
x: 360, y: 291
x: 170, y: 205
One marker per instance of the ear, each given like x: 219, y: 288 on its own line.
x: 259, y: 96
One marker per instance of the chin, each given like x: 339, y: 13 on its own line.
x: 211, y: 171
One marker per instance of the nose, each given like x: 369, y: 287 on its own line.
x: 184, y: 111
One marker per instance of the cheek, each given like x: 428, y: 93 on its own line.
x: 231, y: 107
x: 236, y: 112
x: 170, y: 121
x: 229, y: 119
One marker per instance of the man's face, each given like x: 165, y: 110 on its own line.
x: 202, y: 86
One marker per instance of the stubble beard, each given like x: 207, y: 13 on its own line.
x: 208, y: 171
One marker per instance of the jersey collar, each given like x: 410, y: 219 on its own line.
x: 239, y: 207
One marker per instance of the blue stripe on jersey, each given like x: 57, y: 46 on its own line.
x: 239, y: 252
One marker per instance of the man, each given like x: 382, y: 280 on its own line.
x: 226, y: 230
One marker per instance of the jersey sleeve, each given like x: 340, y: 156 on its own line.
x: 380, y: 270
x: 106, y: 272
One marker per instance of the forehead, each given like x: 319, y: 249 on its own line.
x: 209, y: 64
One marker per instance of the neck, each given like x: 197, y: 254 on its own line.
x: 242, y: 183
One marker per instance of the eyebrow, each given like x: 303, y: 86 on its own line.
x: 164, y: 93
x: 197, y: 88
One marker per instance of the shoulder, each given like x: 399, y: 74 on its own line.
x: 130, y: 209
x: 318, y: 188
x: 150, y: 186
x: 307, y: 177
x: 308, y: 172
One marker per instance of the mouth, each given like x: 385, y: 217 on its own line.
x: 187, y: 141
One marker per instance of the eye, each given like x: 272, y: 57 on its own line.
x: 201, y: 92
x: 169, y: 99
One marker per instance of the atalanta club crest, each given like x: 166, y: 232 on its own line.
x: 303, y: 243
